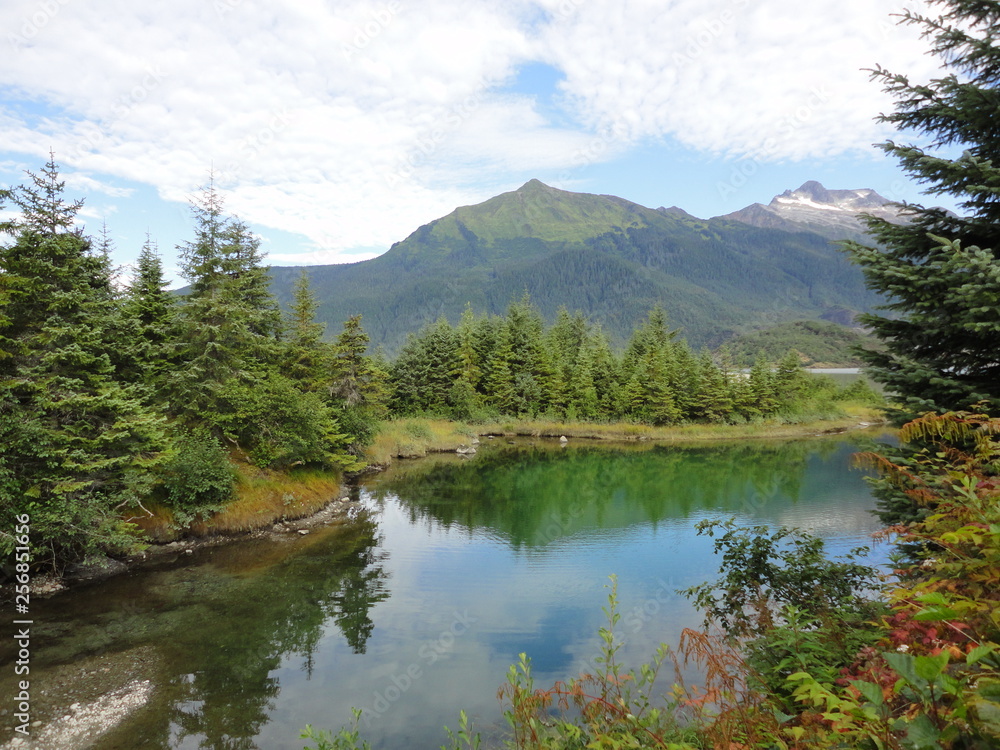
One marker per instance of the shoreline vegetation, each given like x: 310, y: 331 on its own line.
x: 293, y: 501
x: 414, y: 437
x: 264, y: 499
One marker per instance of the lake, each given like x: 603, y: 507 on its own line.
x: 417, y: 612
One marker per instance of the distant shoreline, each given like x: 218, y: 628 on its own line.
x: 415, y: 437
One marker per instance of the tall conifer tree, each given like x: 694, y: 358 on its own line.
x: 305, y: 357
x: 149, y: 310
x: 229, y: 323
x: 941, y: 272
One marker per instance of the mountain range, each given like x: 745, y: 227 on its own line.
x: 611, y: 259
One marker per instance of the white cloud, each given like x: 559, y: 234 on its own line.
x: 97, y: 213
x: 80, y: 182
x: 776, y: 77
x: 353, y: 123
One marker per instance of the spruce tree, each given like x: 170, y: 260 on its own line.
x: 76, y: 444
x: 533, y: 380
x: 649, y: 372
x: 583, y: 400
x: 563, y: 342
x: 304, y: 356
x: 791, y: 382
x: 499, y: 382
x: 358, y: 389
x: 604, y: 371
x: 464, y: 398
x: 228, y: 324
x: 685, y: 378
x: 760, y: 382
x: 425, y: 371
x: 470, y: 360
x: 941, y: 272
x: 713, y: 401
x: 354, y: 381
x: 149, y: 309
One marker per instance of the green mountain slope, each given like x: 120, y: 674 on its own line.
x: 818, y: 342
x: 608, y: 257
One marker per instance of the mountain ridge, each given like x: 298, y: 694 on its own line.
x: 608, y: 257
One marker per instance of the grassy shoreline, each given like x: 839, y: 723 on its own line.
x: 261, y: 498
x: 413, y: 437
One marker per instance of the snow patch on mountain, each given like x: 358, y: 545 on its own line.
x: 812, y: 207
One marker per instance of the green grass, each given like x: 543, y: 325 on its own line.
x: 260, y: 499
x: 853, y: 416
x: 413, y: 437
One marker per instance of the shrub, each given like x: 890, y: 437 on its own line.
x: 279, y: 426
x: 361, y: 424
x: 198, y: 479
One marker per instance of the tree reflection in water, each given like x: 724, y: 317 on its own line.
x: 535, y: 494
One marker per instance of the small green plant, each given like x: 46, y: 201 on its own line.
x: 198, y: 479
x: 764, y: 571
x: 417, y: 429
x: 463, y: 738
x: 348, y: 738
x: 612, y: 708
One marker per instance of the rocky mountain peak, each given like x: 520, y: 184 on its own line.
x: 813, y: 207
x: 814, y: 190
x: 813, y: 194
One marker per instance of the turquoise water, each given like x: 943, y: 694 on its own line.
x: 418, y: 612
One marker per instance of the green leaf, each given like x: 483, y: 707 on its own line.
x: 936, y: 613
x: 902, y: 664
x: 986, y: 714
x: 871, y: 691
x: 980, y: 652
x: 989, y: 689
x: 921, y: 734
x: 929, y: 667
x: 781, y: 716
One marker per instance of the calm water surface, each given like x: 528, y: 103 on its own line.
x: 418, y: 612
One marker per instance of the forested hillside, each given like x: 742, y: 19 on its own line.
x: 817, y: 342
x: 611, y: 259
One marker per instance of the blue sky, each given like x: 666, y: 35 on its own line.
x: 337, y: 128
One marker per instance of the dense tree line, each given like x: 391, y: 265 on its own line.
x: 512, y: 365
x: 112, y: 395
